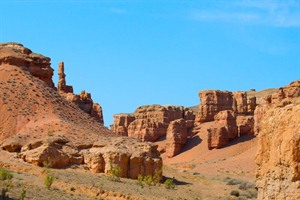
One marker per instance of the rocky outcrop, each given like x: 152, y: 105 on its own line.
x: 288, y: 92
x: 18, y: 55
x: 278, y: 156
x: 132, y: 157
x: 151, y: 122
x: 245, y: 125
x: 240, y: 104
x: 83, y: 100
x: 176, y: 137
x: 223, y: 130
x: 212, y: 102
x: 121, y: 122
x: 62, y: 86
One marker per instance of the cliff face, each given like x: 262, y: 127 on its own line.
x: 278, y: 157
x: 18, y: 55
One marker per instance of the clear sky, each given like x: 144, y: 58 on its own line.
x: 140, y: 52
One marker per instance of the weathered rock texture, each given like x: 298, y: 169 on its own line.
x: 214, y: 101
x: 176, y: 137
x: 223, y: 130
x: 151, y: 122
x: 232, y: 113
x: 121, y: 122
x: 278, y: 157
x: 133, y: 158
x: 83, y: 100
x: 18, y: 55
x: 62, y: 86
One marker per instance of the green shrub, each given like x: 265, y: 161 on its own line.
x: 48, y: 181
x: 140, y: 180
x: 5, y: 175
x: 148, y: 180
x: 23, y: 194
x: 157, y: 176
x: 115, y: 172
x: 169, y: 184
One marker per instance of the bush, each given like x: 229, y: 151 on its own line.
x: 140, y: 180
x: 169, y: 184
x: 23, y: 194
x: 5, y: 175
x: 157, y: 176
x: 48, y: 181
x: 115, y: 172
x: 148, y: 180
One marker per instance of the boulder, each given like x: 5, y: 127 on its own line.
x: 223, y: 130
x: 176, y: 137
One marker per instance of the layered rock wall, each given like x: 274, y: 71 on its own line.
x: 223, y: 130
x: 18, y: 55
x: 177, y: 133
x: 278, y: 157
x: 151, y: 122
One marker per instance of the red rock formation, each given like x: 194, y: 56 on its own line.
x: 121, y: 122
x: 245, y: 125
x: 240, y: 101
x: 176, y: 137
x: 17, y: 55
x: 62, y: 87
x: 251, y: 101
x: 223, y: 130
x: 83, y: 100
x: 133, y: 158
x: 212, y: 102
x: 278, y: 156
x: 151, y: 122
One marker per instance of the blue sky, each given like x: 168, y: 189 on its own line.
x: 132, y: 53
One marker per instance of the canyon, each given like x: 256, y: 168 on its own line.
x: 230, y: 136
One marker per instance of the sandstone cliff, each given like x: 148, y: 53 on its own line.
x: 148, y: 123
x: 18, y: 55
x: 278, y: 157
x: 231, y: 112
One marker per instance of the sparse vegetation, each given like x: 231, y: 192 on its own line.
x: 48, y: 180
x: 169, y: 184
x: 115, y: 172
x: 6, y: 177
x: 23, y: 194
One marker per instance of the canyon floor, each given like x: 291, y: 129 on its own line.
x: 197, y: 172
